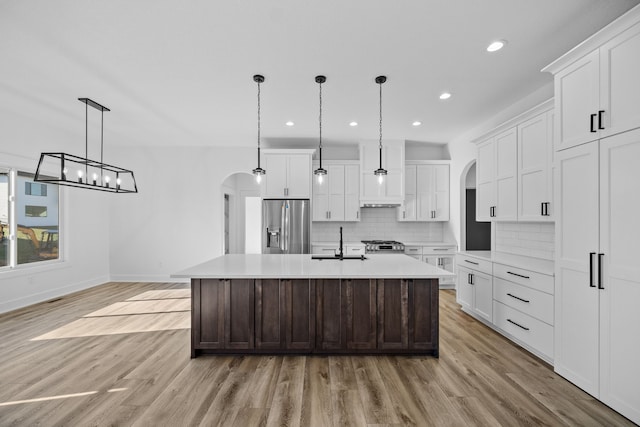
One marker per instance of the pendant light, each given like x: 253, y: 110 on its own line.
x: 258, y: 172
x: 380, y: 172
x: 320, y: 172
x: 82, y: 172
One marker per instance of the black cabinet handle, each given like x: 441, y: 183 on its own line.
x: 542, y: 209
x: 600, y: 284
x: 545, y: 208
x: 471, y: 279
x: 471, y: 262
x: 593, y: 117
x: 600, y: 113
x: 521, y: 299
x: 519, y: 275
x: 519, y: 326
x: 591, y: 283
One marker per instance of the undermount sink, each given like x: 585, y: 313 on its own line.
x: 338, y: 257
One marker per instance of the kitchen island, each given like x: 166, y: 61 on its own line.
x: 293, y: 304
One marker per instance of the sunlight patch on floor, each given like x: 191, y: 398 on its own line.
x: 150, y: 311
x: 58, y: 397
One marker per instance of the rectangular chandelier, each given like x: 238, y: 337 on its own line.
x: 75, y: 171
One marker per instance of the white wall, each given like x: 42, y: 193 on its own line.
x: 463, y: 151
x: 84, y: 231
x: 176, y: 219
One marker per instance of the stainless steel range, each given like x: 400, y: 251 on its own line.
x: 383, y: 247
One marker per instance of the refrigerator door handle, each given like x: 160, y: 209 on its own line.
x: 287, y: 224
x: 283, y: 229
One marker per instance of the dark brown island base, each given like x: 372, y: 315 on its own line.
x: 347, y: 314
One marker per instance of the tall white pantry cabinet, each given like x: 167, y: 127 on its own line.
x: 597, y: 195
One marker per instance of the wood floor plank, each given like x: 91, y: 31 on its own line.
x: 107, y: 374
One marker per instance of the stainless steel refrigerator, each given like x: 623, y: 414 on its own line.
x: 286, y: 226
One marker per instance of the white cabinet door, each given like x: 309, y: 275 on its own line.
x: 441, y: 192
x: 619, y: 237
x: 576, y: 297
x: 408, y: 210
x: 335, y: 173
x: 506, y: 187
x: 275, y: 180
x: 352, y: 193
x: 483, y: 295
x: 485, y: 180
x: 577, y: 101
x: 534, y: 169
x: 464, y: 288
x: 619, y: 82
x: 321, y: 199
x: 298, y: 176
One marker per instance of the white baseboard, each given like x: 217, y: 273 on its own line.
x: 147, y: 278
x: 49, y: 294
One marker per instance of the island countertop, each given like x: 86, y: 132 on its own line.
x: 301, y: 266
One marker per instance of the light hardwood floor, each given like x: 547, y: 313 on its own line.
x: 118, y: 355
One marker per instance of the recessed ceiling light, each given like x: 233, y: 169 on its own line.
x: 416, y: 123
x: 353, y: 124
x: 289, y: 123
x: 445, y: 95
x: 496, y: 45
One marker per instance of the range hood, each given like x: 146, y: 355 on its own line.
x: 381, y: 205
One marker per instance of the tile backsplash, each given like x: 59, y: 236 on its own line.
x: 378, y: 223
x: 526, y: 238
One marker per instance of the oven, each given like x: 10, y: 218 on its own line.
x: 383, y: 247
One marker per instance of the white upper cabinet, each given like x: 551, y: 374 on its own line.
x: 535, y: 151
x: 336, y: 198
x: 391, y: 191
x: 352, y: 192
x: 426, y: 192
x: 597, y: 86
x: 288, y: 174
x: 514, y: 169
x: 496, y: 187
x: 408, y: 210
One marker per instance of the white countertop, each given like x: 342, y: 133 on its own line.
x: 430, y: 244
x: 538, y: 265
x: 302, y: 266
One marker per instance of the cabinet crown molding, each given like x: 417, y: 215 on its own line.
x: 523, y: 117
x: 616, y: 27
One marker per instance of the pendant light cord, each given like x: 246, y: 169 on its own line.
x: 101, y: 145
x: 320, y: 123
x: 258, y: 125
x: 380, y: 146
x: 86, y: 139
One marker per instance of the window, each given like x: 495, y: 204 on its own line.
x: 35, y: 189
x: 29, y: 221
x: 33, y: 211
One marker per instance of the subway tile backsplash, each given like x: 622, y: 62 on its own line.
x: 378, y: 223
x: 526, y: 238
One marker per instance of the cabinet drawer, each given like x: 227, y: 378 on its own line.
x: 527, y: 300
x: 437, y: 250
x: 324, y: 250
x: 413, y: 250
x: 532, y: 279
x: 354, y: 250
x: 530, y: 331
x: 477, y: 264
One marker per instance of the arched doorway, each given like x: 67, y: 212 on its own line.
x: 474, y: 236
x: 241, y: 214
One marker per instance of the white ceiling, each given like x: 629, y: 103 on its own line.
x: 180, y: 72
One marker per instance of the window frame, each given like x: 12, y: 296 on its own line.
x: 13, y: 266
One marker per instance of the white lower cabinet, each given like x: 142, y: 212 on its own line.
x: 475, y: 289
x: 517, y: 302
